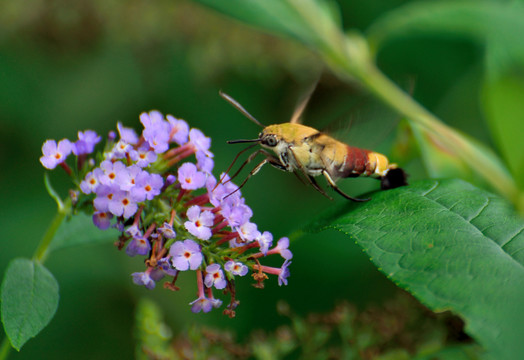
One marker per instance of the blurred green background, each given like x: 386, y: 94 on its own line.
x: 74, y: 65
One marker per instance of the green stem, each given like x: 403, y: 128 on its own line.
x: 350, y: 57
x: 5, y: 349
x: 43, y: 247
x: 483, y: 163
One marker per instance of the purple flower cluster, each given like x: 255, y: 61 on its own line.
x: 173, y: 211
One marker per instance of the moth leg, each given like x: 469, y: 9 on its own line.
x: 270, y: 159
x: 236, y: 158
x: 297, y: 175
x: 308, y: 177
x: 247, y: 161
x: 317, y: 187
x: 275, y: 162
x: 336, y: 188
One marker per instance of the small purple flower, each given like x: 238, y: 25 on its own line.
x: 236, y: 215
x: 216, y: 303
x: 126, y: 179
x: 122, y: 204
x: 201, y: 304
x: 204, y: 162
x: 284, y: 273
x: 156, y: 131
x: 86, y: 142
x: 104, y: 195
x: 110, y: 171
x: 179, y: 130
x: 147, y: 186
x: 102, y: 220
x: 157, y: 139
x: 143, y: 156
x: 190, y: 178
x: 55, y: 154
x: 236, y: 268
x: 166, y: 267
x: 282, y: 248
x: 215, y: 276
x: 170, y: 180
x: 138, y: 246
x: 133, y: 231
x: 185, y: 255
x: 120, y: 149
x: 216, y: 192
x: 225, y: 193
x: 128, y: 135
x: 119, y: 226
x: 148, y: 278
x: 265, y: 240
x: 111, y: 136
x: 199, y: 223
x: 167, y: 230
x: 200, y: 142
x: 152, y: 120
x: 248, y: 231
x: 91, y: 182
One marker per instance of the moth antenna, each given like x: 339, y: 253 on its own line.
x: 239, y: 107
x: 242, y: 141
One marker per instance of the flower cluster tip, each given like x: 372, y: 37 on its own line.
x: 169, y: 209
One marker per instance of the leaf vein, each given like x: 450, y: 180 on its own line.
x: 516, y: 251
x: 513, y: 237
x: 435, y: 200
x: 480, y: 210
x: 482, y: 232
x: 25, y: 317
x: 431, y: 189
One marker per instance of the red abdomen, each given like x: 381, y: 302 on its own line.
x: 354, y: 162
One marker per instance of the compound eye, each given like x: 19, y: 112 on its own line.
x: 271, y: 141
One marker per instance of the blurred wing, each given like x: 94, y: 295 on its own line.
x: 296, y: 118
x: 353, y: 117
x: 369, y: 126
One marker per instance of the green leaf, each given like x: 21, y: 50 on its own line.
x: 290, y: 18
x: 260, y: 13
x: 454, y: 247
x: 504, y: 110
x: 29, y: 300
x: 80, y: 230
x: 496, y: 24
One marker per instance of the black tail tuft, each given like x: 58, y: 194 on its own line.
x: 393, y: 179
